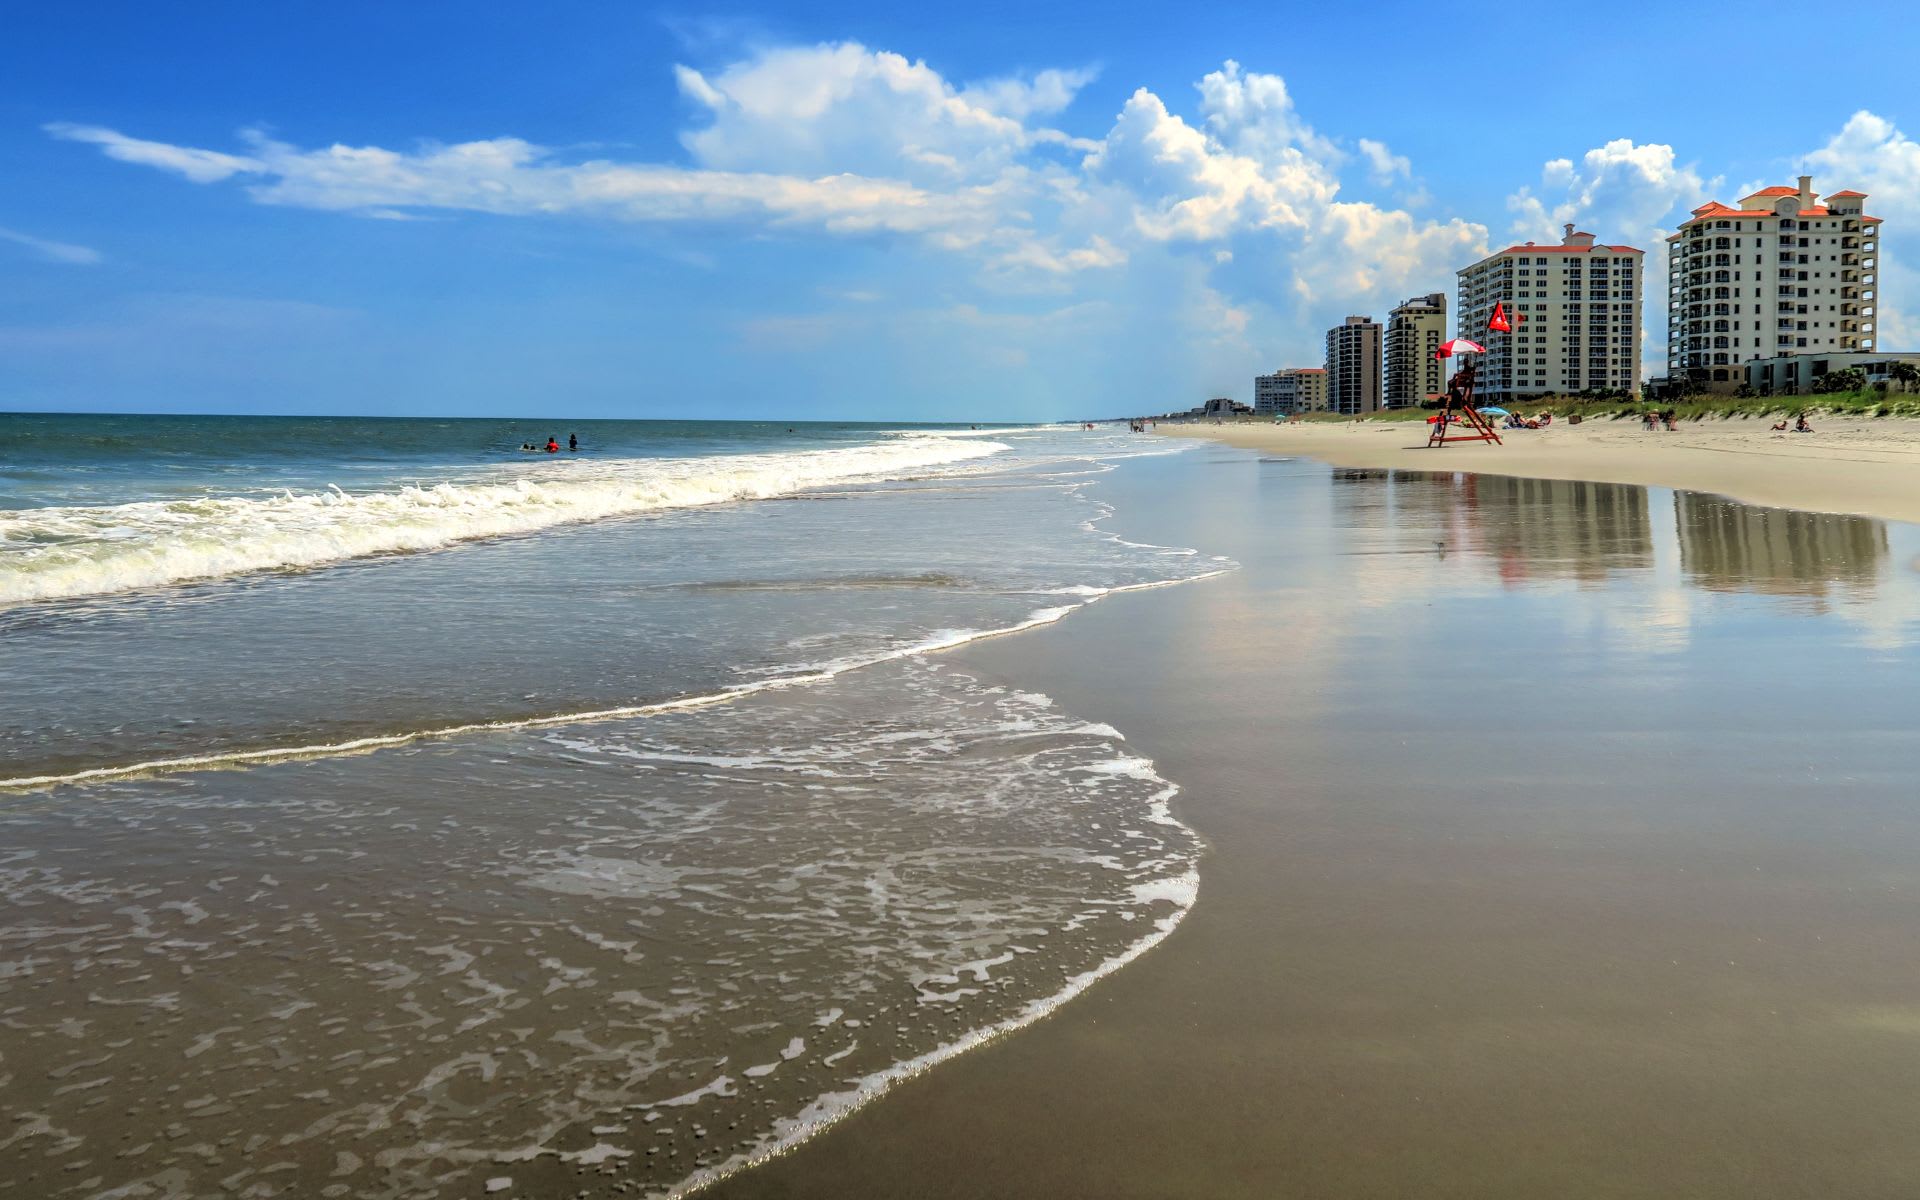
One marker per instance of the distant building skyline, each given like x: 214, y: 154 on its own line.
x: 1290, y: 390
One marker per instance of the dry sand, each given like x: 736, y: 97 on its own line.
x: 1858, y: 465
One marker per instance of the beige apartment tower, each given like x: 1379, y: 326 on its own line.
x: 1782, y: 274
x: 1414, y: 333
x: 1580, y: 331
x: 1290, y: 390
x: 1353, y: 366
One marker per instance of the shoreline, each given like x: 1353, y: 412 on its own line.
x: 1633, y: 952
x: 1866, y: 467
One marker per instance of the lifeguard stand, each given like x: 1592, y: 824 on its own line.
x: 1459, y: 413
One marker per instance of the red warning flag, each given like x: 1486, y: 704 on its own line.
x: 1499, y: 319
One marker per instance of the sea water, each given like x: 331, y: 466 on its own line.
x: 385, y: 808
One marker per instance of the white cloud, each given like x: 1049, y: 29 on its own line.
x: 1383, y: 254
x: 510, y: 177
x: 201, y: 166
x: 1387, y: 166
x: 1870, y: 154
x: 1044, y: 95
x: 1621, y: 192
x: 1096, y: 254
x: 1192, y: 185
x: 843, y: 108
x: 1224, y: 221
x: 1253, y: 115
x: 60, y: 252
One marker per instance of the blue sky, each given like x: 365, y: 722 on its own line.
x: 847, y: 210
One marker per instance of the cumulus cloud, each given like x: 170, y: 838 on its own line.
x: 1379, y: 253
x: 52, y: 251
x: 847, y: 109
x: 1621, y: 192
x: 1870, y: 154
x: 1193, y: 184
x: 1627, y: 190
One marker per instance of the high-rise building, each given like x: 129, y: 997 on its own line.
x: 1575, y: 315
x: 1290, y: 390
x: 1782, y: 274
x: 1353, y: 366
x: 1414, y: 333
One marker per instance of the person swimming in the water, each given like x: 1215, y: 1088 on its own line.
x: 573, y: 442
x: 553, y: 447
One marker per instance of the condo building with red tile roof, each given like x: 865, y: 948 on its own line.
x: 1575, y: 310
x: 1782, y: 273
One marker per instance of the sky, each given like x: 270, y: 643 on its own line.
x: 848, y: 210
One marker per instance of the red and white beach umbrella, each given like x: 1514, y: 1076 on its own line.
x: 1459, y: 346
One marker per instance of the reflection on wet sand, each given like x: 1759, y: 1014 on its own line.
x: 1528, y: 529
x: 1537, y: 530
x: 1730, y: 547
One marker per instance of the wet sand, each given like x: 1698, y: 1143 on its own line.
x: 1851, y: 465
x: 1562, y: 842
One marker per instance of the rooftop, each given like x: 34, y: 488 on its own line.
x: 1707, y: 212
x: 1530, y: 248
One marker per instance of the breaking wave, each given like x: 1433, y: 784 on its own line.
x: 62, y: 553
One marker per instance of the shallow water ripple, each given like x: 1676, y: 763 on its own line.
x: 429, y: 970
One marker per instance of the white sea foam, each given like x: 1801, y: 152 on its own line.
x: 945, y: 639
x: 1180, y: 891
x: 58, y: 553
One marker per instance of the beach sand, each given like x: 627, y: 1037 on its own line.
x: 1618, y: 902
x: 1851, y: 465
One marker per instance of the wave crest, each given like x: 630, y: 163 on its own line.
x: 63, y: 553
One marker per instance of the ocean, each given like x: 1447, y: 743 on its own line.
x: 389, y: 810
